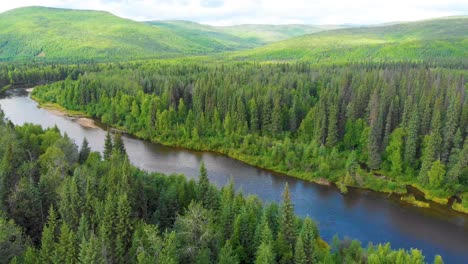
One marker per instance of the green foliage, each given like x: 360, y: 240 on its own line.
x: 436, y: 174
x: 362, y: 120
x: 107, y: 212
x: 51, y: 34
x: 422, y: 40
x: 12, y: 240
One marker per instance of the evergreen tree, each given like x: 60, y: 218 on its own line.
x: 308, y: 235
x: 119, y: 145
x: 299, y: 253
x: 206, y: 194
x: 332, y: 136
x: 411, y: 140
x: 395, y: 151
x: 227, y: 254
x: 90, y: 251
x: 48, y: 245
x: 288, y: 218
x: 66, y: 251
x: 84, y: 151
x: 108, y: 146
x: 265, y: 254
x: 374, y: 158
x: 436, y: 174
x: 123, y: 229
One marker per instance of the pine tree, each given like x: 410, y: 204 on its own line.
x: 90, y: 251
x: 332, y: 136
x: 123, y: 229
x: 288, y: 218
x: 276, y: 119
x: 170, y: 250
x: 83, y: 228
x: 227, y: 210
x: 84, y: 151
x: 309, y: 234
x: 227, y: 254
x: 432, y: 148
x: 254, y: 122
x: 66, y: 251
x: 30, y: 256
x: 119, y: 145
x: 411, y: 141
x: 449, y: 130
x: 108, y: 146
x: 205, y: 192
x: 299, y: 253
x: 48, y: 245
x: 436, y: 174
x: 352, y: 164
x: 70, y: 202
x: 375, y: 121
x: 265, y: 254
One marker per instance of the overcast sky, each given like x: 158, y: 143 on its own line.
x: 229, y: 12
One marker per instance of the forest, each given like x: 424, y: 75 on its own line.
x: 381, y: 126
x: 64, y: 204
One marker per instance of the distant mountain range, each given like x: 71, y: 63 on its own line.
x: 422, y: 40
x: 51, y: 34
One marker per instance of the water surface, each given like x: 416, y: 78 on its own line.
x: 364, y: 215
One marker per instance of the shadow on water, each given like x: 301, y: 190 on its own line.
x: 361, y: 214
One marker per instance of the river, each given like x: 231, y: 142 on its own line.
x: 364, y: 215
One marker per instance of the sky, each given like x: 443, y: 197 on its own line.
x: 233, y: 12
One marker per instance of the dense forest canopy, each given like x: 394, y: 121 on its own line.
x: 64, y: 204
x: 379, y: 107
x: 427, y: 40
x: 346, y: 124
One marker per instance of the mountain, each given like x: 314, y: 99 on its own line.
x: 249, y: 35
x: 76, y: 35
x: 263, y: 34
x: 429, y: 39
x: 205, y: 35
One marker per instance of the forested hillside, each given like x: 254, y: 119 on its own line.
x: 378, y: 126
x: 423, y: 40
x: 255, y: 35
x: 50, y: 34
x: 61, y: 204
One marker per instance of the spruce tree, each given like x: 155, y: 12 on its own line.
x: 288, y: 217
x: 411, y: 140
x: 299, y: 253
x: 48, y: 245
x: 309, y: 234
x: 84, y: 151
x: 119, y: 145
x: 227, y: 254
x: 108, y: 146
x: 265, y: 254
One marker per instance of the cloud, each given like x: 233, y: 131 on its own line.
x: 227, y: 12
x: 212, y: 3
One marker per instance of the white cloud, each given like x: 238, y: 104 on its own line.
x: 226, y: 12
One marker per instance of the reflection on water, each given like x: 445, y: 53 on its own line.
x: 361, y: 214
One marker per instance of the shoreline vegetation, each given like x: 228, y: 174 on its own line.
x: 101, y: 209
x: 298, y: 119
x: 340, y: 186
x: 79, y: 117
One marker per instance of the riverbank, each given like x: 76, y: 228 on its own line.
x: 367, y: 180
x: 79, y: 117
x: 4, y: 89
